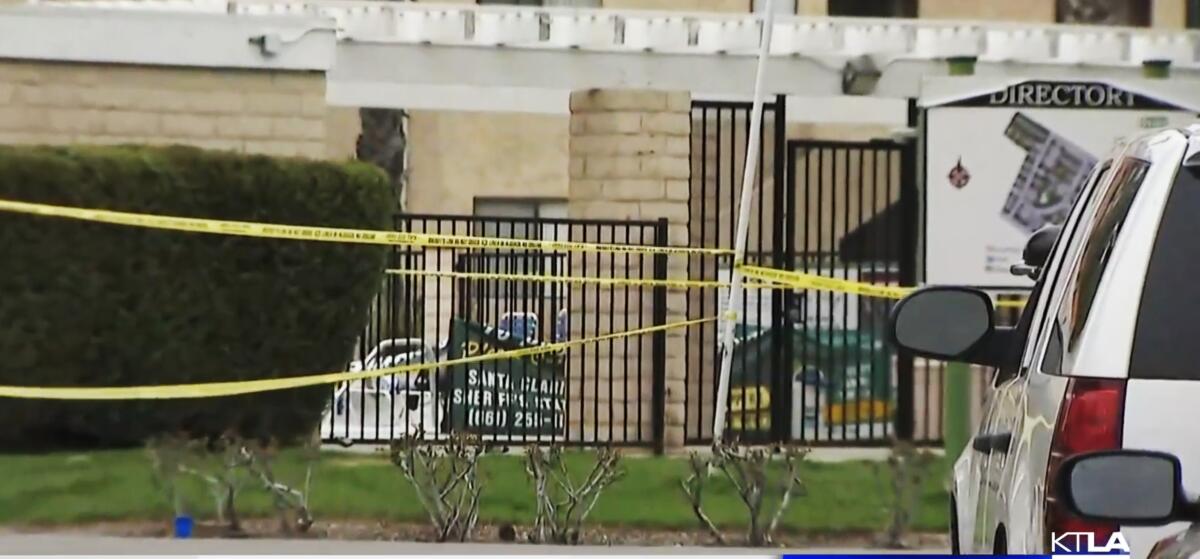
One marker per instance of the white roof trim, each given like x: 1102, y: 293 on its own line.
x: 387, y: 95
x: 73, y: 34
x: 711, y: 33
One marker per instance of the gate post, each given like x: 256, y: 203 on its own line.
x: 659, y: 349
x: 629, y: 159
x: 783, y: 256
x: 909, y: 219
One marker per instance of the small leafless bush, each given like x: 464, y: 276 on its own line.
x: 168, y: 454
x: 228, y: 465
x: 563, y: 503
x: 446, y: 480
x: 749, y: 471
x: 290, y: 504
x: 693, y: 489
x: 907, y: 470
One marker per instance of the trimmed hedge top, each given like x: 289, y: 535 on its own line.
x: 90, y: 304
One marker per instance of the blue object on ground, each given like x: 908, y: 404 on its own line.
x: 183, y: 527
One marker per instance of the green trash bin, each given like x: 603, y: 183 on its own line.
x: 841, y: 385
x: 750, y: 397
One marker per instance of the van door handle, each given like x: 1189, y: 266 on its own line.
x: 988, y: 444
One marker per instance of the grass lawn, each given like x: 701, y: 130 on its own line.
x: 64, y: 488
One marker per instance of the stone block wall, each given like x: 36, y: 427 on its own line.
x: 629, y: 159
x: 269, y: 112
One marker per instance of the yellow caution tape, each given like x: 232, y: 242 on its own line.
x: 233, y: 388
x: 331, y: 234
x: 801, y: 280
x: 581, y: 280
x: 795, y: 280
x: 577, y: 280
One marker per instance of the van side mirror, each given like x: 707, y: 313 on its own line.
x: 1038, y: 247
x: 1132, y: 487
x: 942, y: 322
x: 1037, y: 251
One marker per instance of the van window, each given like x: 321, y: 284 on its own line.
x: 1060, y: 258
x: 1109, y: 217
x: 1168, y: 323
x: 1101, y: 229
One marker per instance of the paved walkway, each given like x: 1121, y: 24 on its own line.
x: 71, y: 544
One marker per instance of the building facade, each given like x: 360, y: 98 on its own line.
x: 460, y: 157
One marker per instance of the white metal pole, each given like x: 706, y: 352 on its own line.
x: 753, y: 146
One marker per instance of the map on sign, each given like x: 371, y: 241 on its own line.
x: 524, y: 396
x: 1049, y: 179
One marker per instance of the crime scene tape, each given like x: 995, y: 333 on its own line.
x: 331, y: 234
x: 234, y: 388
x: 577, y: 280
x: 801, y: 280
x: 797, y: 280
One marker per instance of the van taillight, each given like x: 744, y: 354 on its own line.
x: 1090, y: 420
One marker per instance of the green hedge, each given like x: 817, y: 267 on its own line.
x: 89, y: 304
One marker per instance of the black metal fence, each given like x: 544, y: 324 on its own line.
x: 720, y: 132
x: 438, y: 304
x: 809, y: 366
x: 852, y: 208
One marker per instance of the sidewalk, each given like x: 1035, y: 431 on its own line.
x: 72, y: 544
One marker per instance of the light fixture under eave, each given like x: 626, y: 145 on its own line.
x: 860, y: 75
x: 1156, y: 68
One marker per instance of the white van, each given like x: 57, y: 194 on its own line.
x: 1106, y: 354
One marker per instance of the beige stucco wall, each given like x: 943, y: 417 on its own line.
x: 456, y: 156
x: 812, y: 7
x: 1168, y: 14
x: 280, y: 113
x: 342, y: 126
x: 680, y: 5
x: 1041, y: 11
x: 628, y: 159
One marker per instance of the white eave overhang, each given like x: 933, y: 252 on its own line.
x: 115, y: 35
x: 469, y: 57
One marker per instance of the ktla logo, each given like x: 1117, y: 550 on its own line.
x: 1084, y: 543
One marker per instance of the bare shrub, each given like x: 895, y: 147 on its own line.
x: 228, y: 465
x: 291, y: 505
x: 563, y: 504
x: 749, y: 471
x: 907, y: 470
x: 446, y: 480
x: 693, y: 489
x: 168, y: 453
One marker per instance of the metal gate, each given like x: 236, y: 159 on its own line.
x: 811, y: 367
x: 853, y: 216
x: 720, y: 131
x: 436, y: 300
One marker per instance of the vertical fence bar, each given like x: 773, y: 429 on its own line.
x: 859, y: 304
x: 781, y: 365
x: 905, y: 401
x: 654, y: 411
x: 812, y: 170
x: 845, y: 300
x: 784, y: 392
x: 874, y: 247
x: 596, y: 354
x: 659, y: 342
x: 625, y: 347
